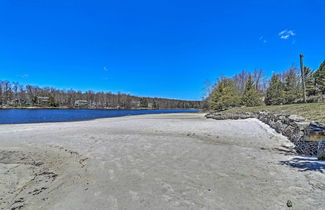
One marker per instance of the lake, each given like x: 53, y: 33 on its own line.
x: 16, y: 116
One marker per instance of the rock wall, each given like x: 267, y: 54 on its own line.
x: 305, y: 135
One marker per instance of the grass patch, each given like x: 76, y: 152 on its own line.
x: 311, y: 111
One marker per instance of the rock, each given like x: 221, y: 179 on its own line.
x: 230, y: 116
x: 289, y: 203
x: 305, y: 135
x: 296, y: 136
x: 271, y: 124
x: 210, y: 115
x: 282, y: 118
x: 279, y: 126
x: 296, y: 118
x: 302, y: 125
x: 321, y: 150
x: 289, y: 131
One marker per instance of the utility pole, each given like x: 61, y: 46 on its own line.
x: 303, y: 76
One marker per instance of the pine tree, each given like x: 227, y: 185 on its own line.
x: 251, y: 96
x: 310, y: 81
x: 34, y: 100
x: 320, y: 78
x: 224, y: 95
x: 52, y: 102
x: 291, y: 86
x: 275, y: 92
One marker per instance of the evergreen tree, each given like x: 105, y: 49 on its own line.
x: 310, y: 81
x: 34, y: 100
x: 143, y: 102
x: 52, y: 102
x: 291, y: 86
x: 275, y: 92
x: 224, y: 95
x: 320, y: 79
x: 251, y: 96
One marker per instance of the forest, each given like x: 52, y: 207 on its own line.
x: 15, y: 95
x: 249, y: 89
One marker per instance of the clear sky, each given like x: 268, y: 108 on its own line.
x: 156, y: 48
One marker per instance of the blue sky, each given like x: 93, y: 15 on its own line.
x: 154, y: 48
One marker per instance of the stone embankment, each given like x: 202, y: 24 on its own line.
x: 308, y: 137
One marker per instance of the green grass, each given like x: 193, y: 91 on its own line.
x: 311, y: 111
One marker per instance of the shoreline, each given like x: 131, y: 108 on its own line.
x: 95, y: 119
x: 170, y: 161
x: 68, y: 108
x: 105, y: 117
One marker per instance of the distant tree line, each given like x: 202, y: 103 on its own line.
x: 254, y: 88
x: 17, y: 95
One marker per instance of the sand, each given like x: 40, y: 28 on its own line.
x: 166, y: 161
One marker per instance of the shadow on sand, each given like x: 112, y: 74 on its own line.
x: 306, y: 164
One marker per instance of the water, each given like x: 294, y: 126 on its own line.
x: 15, y: 116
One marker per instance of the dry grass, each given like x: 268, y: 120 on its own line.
x: 311, y: 111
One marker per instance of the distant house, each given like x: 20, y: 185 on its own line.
x: 95, y: 104
x: 14, y: 102
x: 17, y: 101
x: 150, y: 105
x: 135, y: 103
x: 80, y: 103
x: 42, y: 100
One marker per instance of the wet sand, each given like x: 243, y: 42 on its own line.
x: 166, y: 161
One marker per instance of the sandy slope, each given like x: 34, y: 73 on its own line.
x: 168, y: 161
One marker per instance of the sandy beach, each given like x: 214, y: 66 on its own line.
x: 166, y: 161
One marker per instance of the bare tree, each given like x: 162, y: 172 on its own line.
x: 240, y: 80
x: 257, y: 77
x: 208, y: 88
x: 29, y: 95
